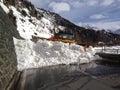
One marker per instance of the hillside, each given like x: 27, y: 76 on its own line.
x: 31, y: 21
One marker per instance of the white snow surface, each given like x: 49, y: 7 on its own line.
x: 46, y: 53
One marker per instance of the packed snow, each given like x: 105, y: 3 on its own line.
x: 46, y: 53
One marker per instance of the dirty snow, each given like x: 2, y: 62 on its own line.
x: 46, y: 53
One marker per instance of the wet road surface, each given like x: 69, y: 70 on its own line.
x: 93, y: 76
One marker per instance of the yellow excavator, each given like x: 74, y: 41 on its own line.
x: 63, y: 37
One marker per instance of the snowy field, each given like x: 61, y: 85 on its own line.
x: 46, y: 53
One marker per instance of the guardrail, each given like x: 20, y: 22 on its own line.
x: 112, y: 51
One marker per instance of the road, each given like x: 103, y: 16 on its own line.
x: 92, y: 76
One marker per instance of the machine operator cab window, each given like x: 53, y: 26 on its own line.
x: 65, y: 36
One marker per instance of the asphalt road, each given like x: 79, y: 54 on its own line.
x: 92, y: 76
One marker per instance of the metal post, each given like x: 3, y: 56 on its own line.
x: 117, y: 51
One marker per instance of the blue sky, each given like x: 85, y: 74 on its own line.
x: 92, y: 12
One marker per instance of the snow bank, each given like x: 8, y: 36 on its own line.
x: 45, y: 53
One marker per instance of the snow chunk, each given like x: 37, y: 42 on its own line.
x: 4, y: 7
x: 46, y: 53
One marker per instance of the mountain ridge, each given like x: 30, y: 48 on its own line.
x: 88, y: 26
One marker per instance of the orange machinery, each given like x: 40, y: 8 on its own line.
x: 63, y: 37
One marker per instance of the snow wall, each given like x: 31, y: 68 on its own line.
x: 46, y: 53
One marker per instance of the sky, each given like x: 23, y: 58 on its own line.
x: 97, y: 13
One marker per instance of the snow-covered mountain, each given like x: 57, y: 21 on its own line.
x: 107, y: 26
x: 88, y: 26
x: 31, y: 21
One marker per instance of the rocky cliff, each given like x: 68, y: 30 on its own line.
x: 8, y: 61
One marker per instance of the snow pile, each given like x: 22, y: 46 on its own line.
x: 45, y: 53
x: 4, y: 7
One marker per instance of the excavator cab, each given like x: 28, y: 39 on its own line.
x: 65, y: 37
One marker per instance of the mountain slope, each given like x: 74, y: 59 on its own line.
x: 31, y: 21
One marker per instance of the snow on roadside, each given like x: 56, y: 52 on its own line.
x: 46, y: 53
